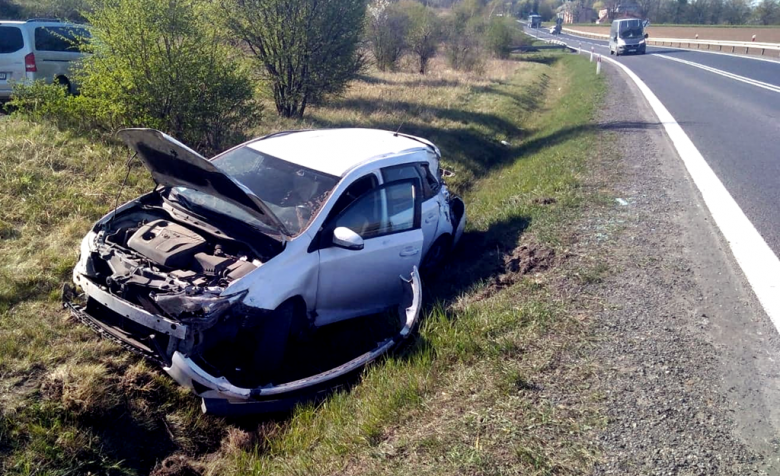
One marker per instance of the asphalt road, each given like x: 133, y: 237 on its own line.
x: 734, y: 124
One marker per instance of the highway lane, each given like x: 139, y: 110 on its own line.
x: 735, y: 125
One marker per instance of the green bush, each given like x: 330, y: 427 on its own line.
x: 500, y: 36
x: 164, y: 65
x: 40, y: 101
x: 464, y: 48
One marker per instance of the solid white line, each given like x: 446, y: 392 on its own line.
x: 737, y: 77
x: 757, y: 261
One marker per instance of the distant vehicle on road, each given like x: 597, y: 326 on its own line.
x: 38, y: 49
x: 627, y: 36
x: 534, y: 21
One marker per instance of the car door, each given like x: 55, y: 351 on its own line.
x: 356, y: 282
x: 430, y: 203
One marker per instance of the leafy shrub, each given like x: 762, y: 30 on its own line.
x: 307, y: 50
x: 39, y: 100
x: 500, y: 36
x: 386, y: 28
x: 464, y: 48
x: 163, y: 66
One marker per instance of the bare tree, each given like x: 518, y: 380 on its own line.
x: 306, y: 49
x: 424, y: 34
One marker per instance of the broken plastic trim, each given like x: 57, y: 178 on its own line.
x: 223, y: 398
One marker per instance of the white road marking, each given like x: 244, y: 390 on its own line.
x: 750, y: 57
x: 754, y: 82
x: 757, y: 261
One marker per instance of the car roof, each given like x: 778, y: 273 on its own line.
x: 337, y: 151
x: 34, y: 23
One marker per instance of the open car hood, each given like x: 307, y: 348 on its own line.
x: 173, y: 164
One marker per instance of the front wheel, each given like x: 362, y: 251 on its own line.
x: 268, y: 340
x: 436, y: 254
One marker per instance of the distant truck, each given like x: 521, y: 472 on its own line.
x: 534, y: 20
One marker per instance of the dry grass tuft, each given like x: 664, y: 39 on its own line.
x: 83, y: 390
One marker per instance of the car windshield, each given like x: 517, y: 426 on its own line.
x: 196, y: 201
x: 293, y: 193
x: 631, y: 30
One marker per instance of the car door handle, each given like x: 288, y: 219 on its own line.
x: 409, y: 251
x: 430, y: 218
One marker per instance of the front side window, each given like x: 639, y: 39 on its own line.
x: 11, y: 39
x: 292, y: 192
x: 382, y: 211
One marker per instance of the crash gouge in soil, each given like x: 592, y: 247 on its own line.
x: 228, y: 259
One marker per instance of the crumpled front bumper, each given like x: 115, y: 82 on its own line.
x: 221, y: 397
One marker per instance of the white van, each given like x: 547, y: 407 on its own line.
x: 38, y: 49
x: 627, y: 36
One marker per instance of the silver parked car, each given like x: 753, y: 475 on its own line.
x: 39, y: 49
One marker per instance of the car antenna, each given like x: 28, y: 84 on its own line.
x: 119, y: 192
x: 399, y: 129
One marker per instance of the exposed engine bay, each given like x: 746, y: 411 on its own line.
x: 174, y: 267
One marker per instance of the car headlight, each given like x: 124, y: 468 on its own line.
x: 641, y: 42
x: 199, y: 307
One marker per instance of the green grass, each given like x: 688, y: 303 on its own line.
x: 465, y: 397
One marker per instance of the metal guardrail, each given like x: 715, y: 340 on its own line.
x: 748, y: 45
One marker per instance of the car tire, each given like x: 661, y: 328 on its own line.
x: 436, y: 254
x: 65, y: 83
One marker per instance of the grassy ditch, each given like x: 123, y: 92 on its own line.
x: 480, y: 391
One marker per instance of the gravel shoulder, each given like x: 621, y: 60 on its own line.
x: 687, y: 357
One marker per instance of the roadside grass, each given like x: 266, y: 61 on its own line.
x: 480, y: 391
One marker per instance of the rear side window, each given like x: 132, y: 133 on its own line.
x: 59, y: 38
x: 10, y: 39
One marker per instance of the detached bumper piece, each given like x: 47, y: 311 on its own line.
x: 220, y: 396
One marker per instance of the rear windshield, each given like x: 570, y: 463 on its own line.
x: 10, y: 39
x: 59, y: 38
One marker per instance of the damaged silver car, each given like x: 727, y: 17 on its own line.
x: 216, y: 270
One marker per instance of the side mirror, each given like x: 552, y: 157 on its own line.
x: 345, y: 238
x: 647, y: 36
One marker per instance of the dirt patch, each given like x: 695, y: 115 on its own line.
x: 177, y: 465
x: 524, y: 260
x: 544, y: 201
